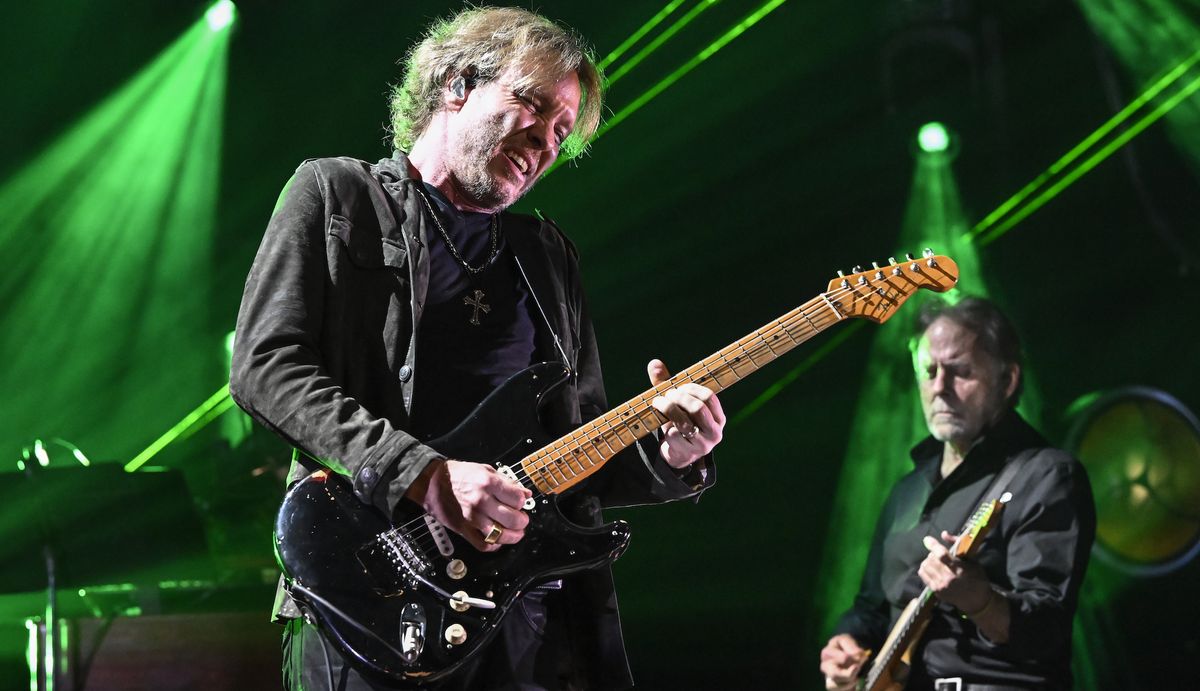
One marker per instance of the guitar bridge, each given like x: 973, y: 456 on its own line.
x: 393, y: 560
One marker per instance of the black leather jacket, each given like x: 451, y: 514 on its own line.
x: 326, y: 349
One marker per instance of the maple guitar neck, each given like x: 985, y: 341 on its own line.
x: 873, y: 295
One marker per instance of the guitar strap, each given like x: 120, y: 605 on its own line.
x: 1000, y: 484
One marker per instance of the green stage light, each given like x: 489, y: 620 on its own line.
x: 133, y: 236
x: 220, y: 15
x: 933, y: 138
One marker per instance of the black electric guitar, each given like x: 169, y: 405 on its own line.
x: 889, y: 671
x: 408, y: 601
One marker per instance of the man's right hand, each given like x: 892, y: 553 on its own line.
x: 472, y: 499
x: 841, y: 660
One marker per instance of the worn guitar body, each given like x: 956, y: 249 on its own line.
x: 373, y: 585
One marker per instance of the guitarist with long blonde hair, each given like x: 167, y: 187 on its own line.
x: 1001, y: 619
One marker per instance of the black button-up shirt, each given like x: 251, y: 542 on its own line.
x: 1036, y: 558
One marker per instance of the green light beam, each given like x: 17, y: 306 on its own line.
x: 219, y: 400
x: 1058, y: 166
x: 661, y: 39
x: 107, y: 233
x: 637, y: 35
x: 1091, y: 162
x: 737, y: 30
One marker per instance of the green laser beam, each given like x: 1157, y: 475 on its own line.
x: 221, y: 397
x: 665, y: 83
x: 1170, y: 77
x: 750, y: 20
x: 1091, y: 162
x: 662, y: 38
x: 637, y: 35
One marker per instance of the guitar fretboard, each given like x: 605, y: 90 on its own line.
x: 565, y: 462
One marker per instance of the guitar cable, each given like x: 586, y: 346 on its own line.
x: 348, y: 619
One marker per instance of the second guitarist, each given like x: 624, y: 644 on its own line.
x: 1004, y: 618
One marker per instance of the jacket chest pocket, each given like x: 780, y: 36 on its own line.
x: 370, y: 289
x: 365, y: 250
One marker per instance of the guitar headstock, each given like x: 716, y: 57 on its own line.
x: 981, y: 523
x: 877, y: 293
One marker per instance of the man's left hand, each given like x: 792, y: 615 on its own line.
x: 695, y: 419
x: 962, y: 584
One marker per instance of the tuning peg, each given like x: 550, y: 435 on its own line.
x: 856, y: 269
x: 892, y: 261
x: 927, y: 253
x: 875, y: 265
x: 908, y: 256
x: 840, y: 274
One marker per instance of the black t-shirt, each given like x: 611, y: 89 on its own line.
x: 476, y: 330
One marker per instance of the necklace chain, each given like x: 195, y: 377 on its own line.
x: 495, y: 234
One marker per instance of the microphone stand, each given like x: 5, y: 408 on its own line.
x: 51, y: 640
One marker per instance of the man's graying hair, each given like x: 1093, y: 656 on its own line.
x: 994, y: 333
x: 484, y: 43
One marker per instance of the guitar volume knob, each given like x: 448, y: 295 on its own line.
x: 456, y: 634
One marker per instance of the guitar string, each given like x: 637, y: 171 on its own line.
x: 818, y: 308
x: 753, y: 344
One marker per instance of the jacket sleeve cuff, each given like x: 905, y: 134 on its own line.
x: 669, y: 483
x: 383, y: 480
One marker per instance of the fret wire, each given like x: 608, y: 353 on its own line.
x: 552, y: 464
x: 583, y: 448
x: 579, y: 455
x: 603, y: 436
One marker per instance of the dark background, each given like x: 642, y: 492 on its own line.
x: 724, y: 202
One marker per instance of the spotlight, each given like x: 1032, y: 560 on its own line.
x: 220, y: 15
x: 40, y: 451
x: 933, y: 138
